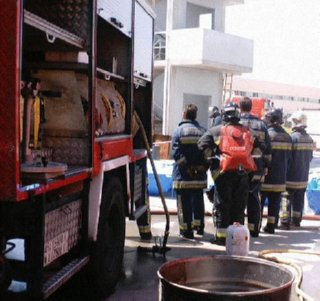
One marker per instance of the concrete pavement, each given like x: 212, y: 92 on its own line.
x: 140, y: 280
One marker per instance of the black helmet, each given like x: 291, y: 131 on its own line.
x: 214, y: 112
x: 231, y: 112
x: 275, y: 116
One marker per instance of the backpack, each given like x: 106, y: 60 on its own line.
x: 236, y: 145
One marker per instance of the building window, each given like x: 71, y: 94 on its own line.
x: 159, y: 46
x: 197, y: 14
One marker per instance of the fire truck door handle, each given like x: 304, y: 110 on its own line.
x: 50, y: 38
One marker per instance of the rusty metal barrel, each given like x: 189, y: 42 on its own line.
x: 224, y: 278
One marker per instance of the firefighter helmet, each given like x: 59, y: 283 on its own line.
x: 231, y: 112
x: 275, y: 116
x: 214, y: 112
x: 299, y: 119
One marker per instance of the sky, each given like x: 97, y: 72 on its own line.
x: 286, y: 35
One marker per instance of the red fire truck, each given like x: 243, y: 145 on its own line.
x: 72, y: 161
x: 260, y: 106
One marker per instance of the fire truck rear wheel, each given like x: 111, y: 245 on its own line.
x: 108, y: 251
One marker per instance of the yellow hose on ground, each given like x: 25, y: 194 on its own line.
x: 301, y: 294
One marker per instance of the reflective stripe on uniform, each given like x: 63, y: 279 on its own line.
x: 221, y: 233
x: 251, y: 227
x: 296, y: 214
x: 144, y: 229
x: 189, y: 184
x: 196, y: 223
x: 303, y: 146
x: 296, y: 185
x: 273, y: 187
x: 281, y: 145
x: 189, y: 140
x: 183, y: 227
x: 271, y: 220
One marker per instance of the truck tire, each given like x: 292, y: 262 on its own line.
x: 107, y: 255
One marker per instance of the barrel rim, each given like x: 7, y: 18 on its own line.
x: 227, y: 257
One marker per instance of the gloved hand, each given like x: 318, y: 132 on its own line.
x: 182, y: 161
x: 194, y: 171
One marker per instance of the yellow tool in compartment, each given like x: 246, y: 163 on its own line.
x: 36, y: 123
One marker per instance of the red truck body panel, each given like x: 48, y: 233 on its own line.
x: 9, y: 94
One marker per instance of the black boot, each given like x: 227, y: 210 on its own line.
x: 255, y: 231
x: 269, y: 228
x: 187, y: 234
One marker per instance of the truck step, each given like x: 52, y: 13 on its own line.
x: 62, y: 276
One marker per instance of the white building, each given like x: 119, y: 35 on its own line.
x: 194, y: 58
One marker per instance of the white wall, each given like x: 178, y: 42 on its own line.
x: 219, y: 20
x: 211, y: 49
x: 158, y: 93
x: 161, y: 11
x: 180, y: 12
x: 191, y: 81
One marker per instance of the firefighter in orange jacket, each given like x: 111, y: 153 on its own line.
x: 275, y: 181
x: 231, y: 186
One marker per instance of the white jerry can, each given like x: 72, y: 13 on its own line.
x: 238, y: 239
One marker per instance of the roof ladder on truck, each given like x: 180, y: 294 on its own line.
x: 227, y: 87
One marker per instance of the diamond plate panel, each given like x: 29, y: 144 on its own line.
x: 62, y: 230
x: 9, y: 97
x: 72, y: 151
x: 71, y: 15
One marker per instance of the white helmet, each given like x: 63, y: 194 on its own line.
x: 299, y: 119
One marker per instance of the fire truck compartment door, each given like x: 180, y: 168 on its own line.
x: 143, y: 39
x: 117, y: 13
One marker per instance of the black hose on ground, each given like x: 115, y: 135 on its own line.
x: 163, y: 248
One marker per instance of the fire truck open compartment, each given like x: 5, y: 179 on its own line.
x: 58, y: 49
x: 83, y: 54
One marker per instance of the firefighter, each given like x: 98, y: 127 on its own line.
x: 275, y: 181
x: 231, y: 187
x: 215, y: 116
x: 189, y: 174
x: 262, y: 157
x: 298, y: 172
